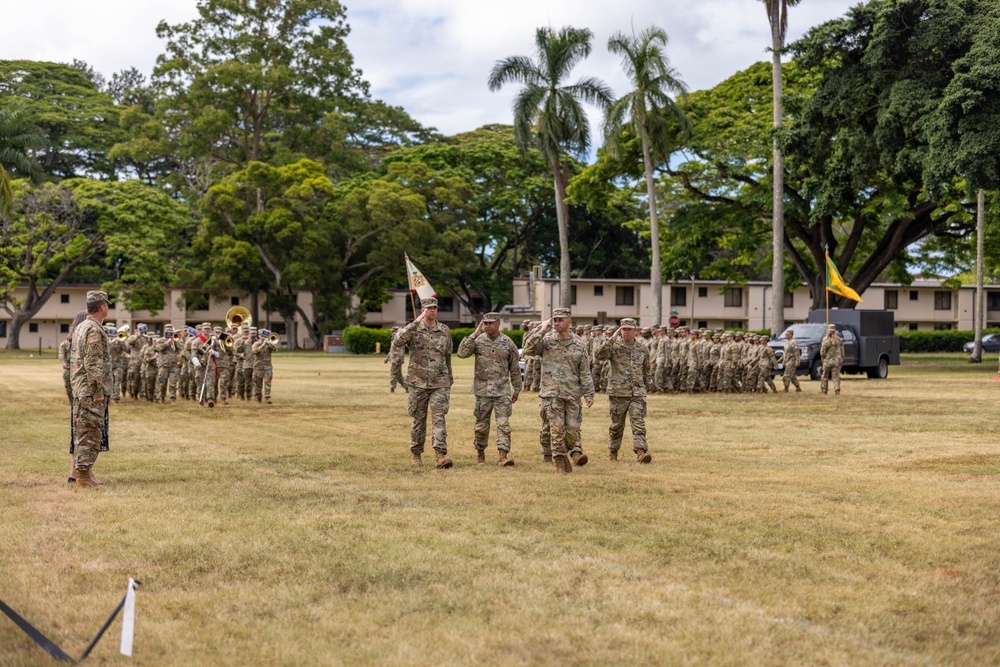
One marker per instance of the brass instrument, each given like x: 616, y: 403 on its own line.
x: 228, y: 341
x: 273, y: 339
x: 237, y: 316
x: 122, y: 335
x: 177, y: 335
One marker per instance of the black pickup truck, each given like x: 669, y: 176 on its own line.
x: 870, y: 345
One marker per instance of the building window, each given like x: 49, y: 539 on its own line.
x: 942, y: 326
x: 732, y: 324
x: 942, y: 301
x: 993, y: 302
x: 914, y: 326
x: 702, y: 324
x: 3, y: 329
x: 111, y: 305
x: 195, y: 301
x: 64, y: 328
x: 789, y: 300
x: 33, y: 327
x: 598, y: 290
x: 914, y: 294
x: 891, y: 299
x: 572, y: 295
x: 733, y: 297
x: 64, y: 298
x: 678, y: 296
x: 625, y: 296
x: 702, y: 292
x: 446, y: 304
x: 234, y: 301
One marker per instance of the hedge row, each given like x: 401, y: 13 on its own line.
x: 937, y: 341
x: 361, y: 340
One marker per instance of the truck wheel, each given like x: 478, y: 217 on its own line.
x: 881, y: 371
x: 816, y: 370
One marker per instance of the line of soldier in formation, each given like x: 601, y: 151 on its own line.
x: 687, y: 361
x: 200, y: 363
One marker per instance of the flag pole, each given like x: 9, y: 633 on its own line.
x: 409, y: 285
x: 826, y: 288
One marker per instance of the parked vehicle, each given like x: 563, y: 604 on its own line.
x: 870, y: 345
x: 991, y: 343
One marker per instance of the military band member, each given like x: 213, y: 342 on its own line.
x: 225, y: 362
x: 207, y: 352
x: 135, y: 342
x: 629, y: 375
x: 566, y: 378
x: 148, y: 371
x: 119, y: 362
x: 262, y: 369
x: 496, y: 383
x: 90, y: 369
x: 428, y: 380
x: 248, y: 342
x: 168, y: 350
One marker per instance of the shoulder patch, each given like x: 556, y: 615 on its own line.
x: 93, y: 339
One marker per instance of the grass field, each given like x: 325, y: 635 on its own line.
x: 790, y: 529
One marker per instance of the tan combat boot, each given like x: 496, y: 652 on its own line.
x: 481, y: 456
x: 546, y: 458
x: 642, y: 456
x: 504, y: 461
x: 836, y: 392
x: 579, y: 459
x: 562, y: 464
x: 83, y: 480
x: 613, y: 455
x: 415, y: 461
x: 443, y: 462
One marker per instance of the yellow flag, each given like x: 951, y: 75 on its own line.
x: 836, y: 284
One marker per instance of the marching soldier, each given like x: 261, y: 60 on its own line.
x: 248, y: 362
x: 168, y: 349
x: 768, y: 361
x: 207, y: 374
x: 147, y: 373
x: 428, y: 380
x: 629, y: 375
x: 566, y: 378
x: 497, y: 374
x: 262, y: 369
x: 135, y: 342
x: 790, y: 358
x: 90, y: 370
x: 831, y: 351
x: 119, y: 362
x: 225, y: 361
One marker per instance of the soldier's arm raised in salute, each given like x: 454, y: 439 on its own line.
x: 468, y: 345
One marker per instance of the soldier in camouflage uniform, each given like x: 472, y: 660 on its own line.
x: 528, y: 369
x: 629, y: 375
x: 184, y: 367
x: 248, y: 362
x: 148, y: 371
x: 751, y: 366
x: 90, y: 370
x: 428, y: 380
x: 64, y: 359
x: 119, y: 362
x: 263, y: 370
x: 167, y: 373
x: 207, y: 350
x: 225, y: 361
x: 135, y: 342
x: 767, y: 362
x: 790, y: 358
x: 831, y: 351
x: 727, y: 355
x: 536, y: 365
x: 565, y: 379
x: 394, y: 353
x: 497, y: 375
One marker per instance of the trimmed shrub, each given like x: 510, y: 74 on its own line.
x: 937, y: 341
x: 361, y: 340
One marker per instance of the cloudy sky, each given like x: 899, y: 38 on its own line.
x: 432, y: 57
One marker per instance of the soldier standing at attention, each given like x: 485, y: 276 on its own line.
x: 629, y: 375
x: 565, y: 379
x: 831, y: 351
x: 790, y: 358
x: 90, y: 369
x: 263, y: 371
x: 497, y: 374
x: 64, y: 359
x: 428, y: 380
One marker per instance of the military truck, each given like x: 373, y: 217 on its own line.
x: 870, y: 344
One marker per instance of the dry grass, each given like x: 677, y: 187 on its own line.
x: 779, y: 530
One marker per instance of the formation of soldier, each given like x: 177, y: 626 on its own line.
x: 203, y: 364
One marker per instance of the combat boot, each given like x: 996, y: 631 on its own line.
x: 798, y: 390
x: 211, y: 403
x: 546, y: 458
x: 504, y: 461
x: 481, y: 456
x: 836, y: 392
x: 642, y: 456
x: 563, y: 465
x: 84, y: 481
x: 416, y: 462
x: 786, y: 390
x: 443, y: 462
x: 579, y: 459
x: 613, y: 455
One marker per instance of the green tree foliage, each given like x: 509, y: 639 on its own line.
x: 18, y: 137
x: 79, y: 121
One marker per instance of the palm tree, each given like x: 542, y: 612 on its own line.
x: 777, y: 16
x: 17, y: 138
x: 647, y: 111
x: 977, y: 347
x: 548, y: 114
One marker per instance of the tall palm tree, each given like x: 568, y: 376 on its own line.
x: 647, y: 111
x: 17, y: 137
x: 977, y: 347
x: 548, y: 114
x: 777, y: 16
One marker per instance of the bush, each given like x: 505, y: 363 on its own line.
x: 937, y: 341
x: 361, y: 340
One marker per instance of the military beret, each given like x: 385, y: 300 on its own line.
x: 96, y: 297
x: 491, y: 317
x: 429, y: 302
x: 628, y: 323
x: 562, y: 312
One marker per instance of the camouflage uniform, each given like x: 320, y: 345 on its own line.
x: 263, y: 371
x: 767, y: 362
x: 119, y: 361
x: 428, y: 380
x: 136, y: 342
x: 167, y: 373
x: 148, y: 372
x: 496, y: 373
x: 790, y: 358
x: 831, y: 351
x: 248, y: 362
x: 90, y: 369
x: 207, y: 372
x: 64, y: 358
x: 630, y: 373
x: 565, y: 379
x: 395, y: 359
x: 226, y: 361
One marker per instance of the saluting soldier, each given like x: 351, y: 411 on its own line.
x: 566, y: 378
x: 629, y: 375
x: 496, y: 383
x: 428, y: 380
x: 90, y: 370
x: 394, y: 357
x: 790, y: 358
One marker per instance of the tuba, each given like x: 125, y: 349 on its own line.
x: 237, y: 316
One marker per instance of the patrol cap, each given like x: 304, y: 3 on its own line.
x: 253, y: 329
x: 217, y: 329
x: 789, y: 333
x: 561, y: 313
x: 491, y: 317
x: 647, y: 330
x: 168, y: 329
x: 831, y: 327
x: 610, y: 328
x: 429, y: 302
x: 628, y: 323
x: 96, y: 297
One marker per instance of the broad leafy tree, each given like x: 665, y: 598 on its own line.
x: 549, y: 116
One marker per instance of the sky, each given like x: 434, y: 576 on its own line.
x: 433, y: 57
